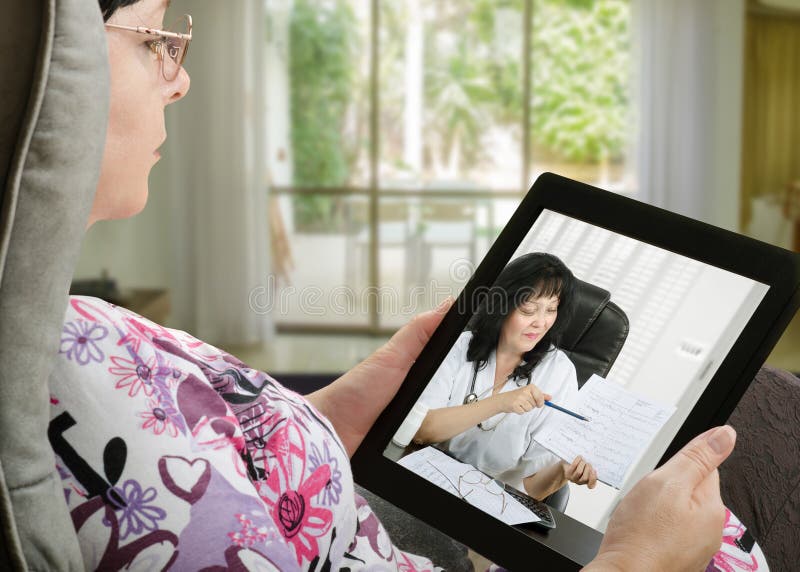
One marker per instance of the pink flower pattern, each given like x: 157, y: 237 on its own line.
x: 207, y: 438
x: 249, y: 534
x: 160, y: 417
x: 289, y: 494
x: 731, y: 558
x: 133, y: 376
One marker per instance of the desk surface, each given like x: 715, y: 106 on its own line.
x: 571, y: 538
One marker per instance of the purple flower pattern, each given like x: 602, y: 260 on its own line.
x: 138, y: 514
x: 79, y: 341
x: 242, y: 408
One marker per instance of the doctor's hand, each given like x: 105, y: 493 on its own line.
x: 673, y: 518
x: 580, y: 472
x: 353, y: 402
x: 521, y: 400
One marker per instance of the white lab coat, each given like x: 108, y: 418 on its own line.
x: 508, y: 451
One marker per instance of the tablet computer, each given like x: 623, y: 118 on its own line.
x: 668, y: 321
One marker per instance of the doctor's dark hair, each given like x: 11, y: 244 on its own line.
x: 528, y: 276
x: 108, y: 7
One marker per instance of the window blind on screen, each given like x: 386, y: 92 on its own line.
x: 643, y: 280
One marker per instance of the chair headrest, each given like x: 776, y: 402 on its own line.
x: 590, y: 300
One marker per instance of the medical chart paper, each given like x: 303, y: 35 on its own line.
x: 622, y: 426
x: 464, y: 480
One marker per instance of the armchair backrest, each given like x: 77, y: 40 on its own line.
x: 596, y: 332
x: 54, y: 108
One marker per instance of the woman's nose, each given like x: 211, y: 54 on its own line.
x: 537, y: 318
x: 178, y: 87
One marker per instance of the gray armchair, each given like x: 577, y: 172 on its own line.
x: 54, y: 104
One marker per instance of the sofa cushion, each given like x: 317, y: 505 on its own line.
x: 760, y: 482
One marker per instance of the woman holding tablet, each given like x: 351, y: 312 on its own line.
x: 175, y: 455
x: 486, y: 401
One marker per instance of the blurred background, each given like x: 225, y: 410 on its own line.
x: 341, y: 165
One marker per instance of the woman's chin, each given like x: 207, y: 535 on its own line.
x: 135, y: 203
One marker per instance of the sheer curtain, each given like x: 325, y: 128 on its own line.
x: 688, y: 93
x: 216, y: 174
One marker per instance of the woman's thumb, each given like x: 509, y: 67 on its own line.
x: 702, y: 455
x: 411, y: 338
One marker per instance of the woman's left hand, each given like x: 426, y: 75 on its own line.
x: 580, y: 472
x: 354, y: 401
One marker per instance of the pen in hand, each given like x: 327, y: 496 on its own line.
x: 567, y: 411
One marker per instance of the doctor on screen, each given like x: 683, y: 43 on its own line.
x: 485, y: 402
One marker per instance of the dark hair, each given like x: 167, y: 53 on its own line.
x: 528, y: 276
x: 108, y: 7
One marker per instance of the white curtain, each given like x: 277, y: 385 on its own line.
x: 688, y: 93
x: 217, y: 176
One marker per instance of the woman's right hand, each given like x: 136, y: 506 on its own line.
x: 521, y: 400
x: 673, y: 518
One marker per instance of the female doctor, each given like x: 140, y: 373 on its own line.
x: 485, y: 403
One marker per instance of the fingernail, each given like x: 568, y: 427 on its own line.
x: 721, y: 440
x: 444, y: 304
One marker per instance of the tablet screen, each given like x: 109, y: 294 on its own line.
x: 668, y: 322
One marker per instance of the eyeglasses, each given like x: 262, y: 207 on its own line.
x: 171, y: 45
x: 469, y: 481
x: 473, y: 479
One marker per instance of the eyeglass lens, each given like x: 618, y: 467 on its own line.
x: 174, y: 49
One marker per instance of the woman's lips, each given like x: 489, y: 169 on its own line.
x: 531, y: 336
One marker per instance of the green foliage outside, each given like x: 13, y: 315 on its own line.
x: 580, y: 76
x: 322, y: 60
x: 581, y: 62
x: 463, y: 92
x: 580, y: 54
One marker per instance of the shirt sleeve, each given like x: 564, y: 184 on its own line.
x: 439, y: 391
x: 565, y: 390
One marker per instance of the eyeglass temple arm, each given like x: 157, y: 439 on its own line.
x: 152, y: 31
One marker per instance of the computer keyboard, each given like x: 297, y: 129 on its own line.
x: 537, y: 507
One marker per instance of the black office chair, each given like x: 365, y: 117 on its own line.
x: 596, y: 333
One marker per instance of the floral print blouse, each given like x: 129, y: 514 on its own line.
x: 176, y: 455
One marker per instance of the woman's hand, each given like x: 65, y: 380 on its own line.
x: 548, y: 480
x: 580, y: 472
x: 521, y: 400
x: 672, y: 519
x: 354, y: 401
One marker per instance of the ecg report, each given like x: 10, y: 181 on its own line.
x: 621, y: 427
x: 684, y: 316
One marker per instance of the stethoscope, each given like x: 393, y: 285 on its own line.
x: 472, y: 397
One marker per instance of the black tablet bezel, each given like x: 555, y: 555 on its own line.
x: 575, y: 543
